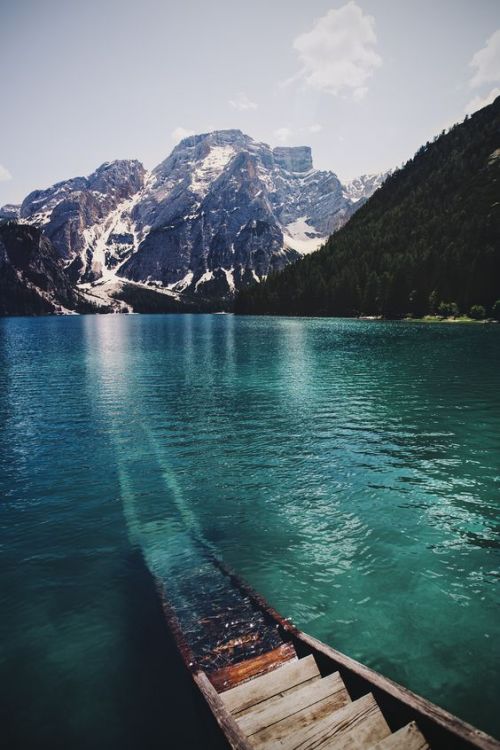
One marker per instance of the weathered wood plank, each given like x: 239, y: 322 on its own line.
x: 290, y: 676
x: 358, y: 725
x: 229, y: 677
x: 400, y: 704
x: 407, y: 738
x: 421, y: 706
x: 225, y: 720
x: 276, y: 709
x: 312, y: 726
x: 454, y: 730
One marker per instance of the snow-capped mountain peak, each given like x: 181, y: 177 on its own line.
x: 362, y: 187
x: 221, y: 211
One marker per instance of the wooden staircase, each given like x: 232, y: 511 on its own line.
x: 294, y: 708
x: 260, y: 677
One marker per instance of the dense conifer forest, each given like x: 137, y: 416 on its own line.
x: 426, y: 243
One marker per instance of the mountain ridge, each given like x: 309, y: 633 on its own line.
x: 429, y: 239
x: 32, y: 277
x: 221, y: 211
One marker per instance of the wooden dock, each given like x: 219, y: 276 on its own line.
x: 269, y: 685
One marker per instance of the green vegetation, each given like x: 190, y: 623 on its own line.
x: 477, y: 312
x: 448, y: 310
x: 431, y: 234
x: 150, y: 301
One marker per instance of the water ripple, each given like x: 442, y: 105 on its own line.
x: 350, y: 471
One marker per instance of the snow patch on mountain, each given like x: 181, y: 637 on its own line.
x: 207, y: 276
x: 363, y: 187
x: 300, y: 236
x: 220, y: 212
x: 210, y: 168
x: 10, y: 211
x: 183, y: 284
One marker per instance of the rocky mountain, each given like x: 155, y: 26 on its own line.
x: 32, y: 278
x: 426, y: 243
x: 220, y: 212
x: 9, y: 211
x: 34, y: 281
x: 364, y: 186
x: 72, y: 213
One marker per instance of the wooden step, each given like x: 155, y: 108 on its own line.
x: 285, y: 679
x: 357, y: 726
x: 328, y: 693
x: 407, y: 738
x: 228, y: 677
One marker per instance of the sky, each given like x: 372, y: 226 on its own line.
x: 364, y: 82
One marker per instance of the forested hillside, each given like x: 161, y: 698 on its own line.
x: 427, y: 241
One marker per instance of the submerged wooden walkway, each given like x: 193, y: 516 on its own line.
x: 269, y: 685
x: 295, y: 707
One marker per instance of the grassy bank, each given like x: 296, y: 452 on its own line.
x: 459, y: 319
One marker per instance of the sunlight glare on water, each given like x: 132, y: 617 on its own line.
x: 349, y: 470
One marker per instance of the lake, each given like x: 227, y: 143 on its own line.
x: 349, y: 470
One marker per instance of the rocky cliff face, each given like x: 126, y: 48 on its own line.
x: 32, y: 277
x: 361, y: 188
x: 296, y: 159
x: 221, y: 211
x: 9, y: 211
x: 69, y: 212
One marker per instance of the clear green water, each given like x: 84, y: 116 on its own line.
x: 349, y: 470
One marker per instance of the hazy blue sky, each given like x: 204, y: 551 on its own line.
x: 364, y: 83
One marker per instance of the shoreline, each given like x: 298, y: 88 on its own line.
x: 460, y: 319
x: 426, y: 319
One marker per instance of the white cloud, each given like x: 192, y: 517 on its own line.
x: 359, y: 93
x: 316, y: 128
x: 5, y: 175
x: 179, y: 133
x: 283, y: 135
x: 481, y: 101
x: 487, y: 62
x: 242, y: 103
x: 338, y: 54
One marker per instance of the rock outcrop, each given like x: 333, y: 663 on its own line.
x: 220, y: 212
x: 32, y: 278
x: 9, y: 211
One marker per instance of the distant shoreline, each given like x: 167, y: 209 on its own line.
x: 460, y: 319
x: 363, y: 318
x: 428, y: 319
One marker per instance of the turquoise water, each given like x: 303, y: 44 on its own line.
x: 349, y: 470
